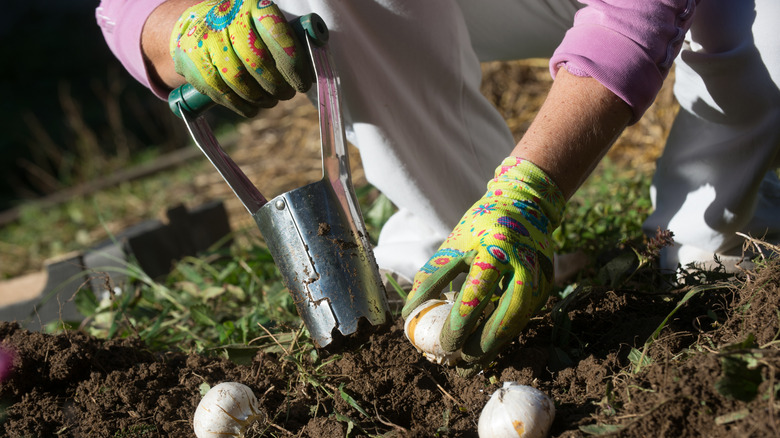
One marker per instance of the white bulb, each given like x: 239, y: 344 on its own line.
x: 226, y: 410
x: 423, y: 328
x: 518, y: 411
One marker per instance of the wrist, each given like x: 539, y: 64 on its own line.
x: 523, y: 180
x: 578, y: 122
x: 155, y: 42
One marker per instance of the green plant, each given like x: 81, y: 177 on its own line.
x: 221, y: 299
x: 376, y: 207
x: 639, y: 358
x: 608, y: 209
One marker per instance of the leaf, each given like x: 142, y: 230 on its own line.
x: 204, y: 388
x: 639, y: 359
x: 125, y: 300
x: 200, y: 314
x: 690, y: 294
x: 445, y: 427
x: 351, y: 423
x: 560, y: 316
x: 741, y: 371
x: 380, y: 211
x: 225, y: 331
x: 602, y: 429
x: 617, y: 270
x: 227, y: 271
x: 190, y: 274
x: 86, y: 302
x: 210, y: 292
x: 398, y: 289
x: 348, y: 398
x: 609, y: 404
x: 236, y: 291
x: 151, y: 332
x: 568, y: 291
x: 240, y: 354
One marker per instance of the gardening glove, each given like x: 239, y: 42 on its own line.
x: 504, y: 244
x: 241, y: 53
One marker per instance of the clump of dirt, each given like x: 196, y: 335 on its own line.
x: 323, y: 229
x: 72, y: 384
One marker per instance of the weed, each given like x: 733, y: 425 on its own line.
x: 639, y: 358
x: 741, y: 364
x: 204, y: 304
x: 608, y: 209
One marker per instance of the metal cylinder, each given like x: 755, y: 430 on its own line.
x: 326, y: 263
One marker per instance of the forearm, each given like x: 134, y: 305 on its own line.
x: 155, y: 41
x: 575, y: 127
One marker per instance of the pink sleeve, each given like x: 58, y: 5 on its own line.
x: 122, y: 22
x: 628, y: 46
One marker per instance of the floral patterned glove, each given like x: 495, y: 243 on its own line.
x: 504, y: 243
x: 241, y: 53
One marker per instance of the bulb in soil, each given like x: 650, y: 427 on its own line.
x: 423, y: 327
x: 226, y: 410
x: 518, y: 411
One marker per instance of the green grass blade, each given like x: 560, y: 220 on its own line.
x: 640, y: 361
x: 348, y: 398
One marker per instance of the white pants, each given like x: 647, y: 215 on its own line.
x: 410, y: 78
x: 716, y: 175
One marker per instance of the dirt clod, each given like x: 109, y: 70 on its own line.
x: 323, y: 229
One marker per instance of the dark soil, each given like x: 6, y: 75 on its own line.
x: 71, y: 384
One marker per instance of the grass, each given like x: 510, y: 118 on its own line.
x: 229, y: 300
x: 42, y: 233
x: 223, y: 299
x: 606, y: 211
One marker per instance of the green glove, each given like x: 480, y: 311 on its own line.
x: 504, y: 244
x: 241, y: 53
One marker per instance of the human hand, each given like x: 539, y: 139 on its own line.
x: 504, y: 243
x: 241, y: 53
